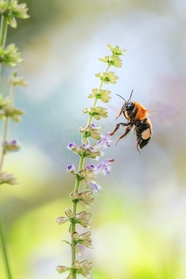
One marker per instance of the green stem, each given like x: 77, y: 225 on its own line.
x: 3, y: 31
x: 2, y: 233
x: 4, y: 249
x: 3, y: 35
x: 76, y: 188
x: 95, y: 101
x: 4, y: 139
x: 90, y: 116
x: 74, y: 209
x: 12, y: 87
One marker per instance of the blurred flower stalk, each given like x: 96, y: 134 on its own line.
x: 9, y: 55
x: 85, y: 175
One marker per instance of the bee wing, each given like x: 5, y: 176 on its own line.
x: 162, y: 112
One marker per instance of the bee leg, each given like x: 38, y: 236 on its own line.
x: 137, y: 144
x: 117, y: 127
x: 127, y: 130
x: 121, y: 111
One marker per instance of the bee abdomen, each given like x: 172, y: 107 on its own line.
x: 146, y: 134
x: 143, y: 132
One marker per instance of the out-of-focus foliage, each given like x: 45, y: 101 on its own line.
x: 138, y: 225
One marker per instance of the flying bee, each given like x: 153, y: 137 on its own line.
x: 136, y: 114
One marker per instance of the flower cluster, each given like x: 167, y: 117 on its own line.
x: 11, y: 10
x: 10, y: 55
x: 103, y: 95
x: 97, y: 112
x: 10, y: 146
x: 91, y: 131
x: 8, y: 111
x: 88, y: 151
x: 85, y: 176
x: 83, y: 268
x: 82, y: 218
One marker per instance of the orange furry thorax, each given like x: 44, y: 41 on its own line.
x: 142, y: 112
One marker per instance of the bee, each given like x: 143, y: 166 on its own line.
x: 136, y: 114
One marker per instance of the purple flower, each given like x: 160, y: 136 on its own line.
x: 13, y: 142
x: 90, y: 167
x: 92, y: 126
x: 94, y: 187
x: 103, y: 167
x: 71, y: 146
x: 11, y: 146
x: 71, y: 168
x: 103, y: 142
x: 84, y: 146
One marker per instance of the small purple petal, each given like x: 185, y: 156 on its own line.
x: 103, y: 167
x: 70, y: 168
x: 103, y: 142
x: 71, y: 145
x: 108, y: 161
x: 92, y: 125
x: 13, y: 142
x: 84, y: 146
x: 90, y: 167
x: 94, y: 187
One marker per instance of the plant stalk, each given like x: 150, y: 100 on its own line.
x: 76, y: 188
x: 2, y: 230
x: 4, y: 249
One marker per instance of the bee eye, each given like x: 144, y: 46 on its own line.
x: 129, y: 106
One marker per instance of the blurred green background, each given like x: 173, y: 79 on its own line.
x: 139, y: 229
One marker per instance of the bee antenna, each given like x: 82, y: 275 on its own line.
x: 121, y: 97
x: 130, y: 95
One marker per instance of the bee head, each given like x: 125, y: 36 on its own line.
x: 127, y: 104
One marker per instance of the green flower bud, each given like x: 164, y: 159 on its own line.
x: 97, y: 112
x: 10, y: 55
x: 91, y: 131
x: 83, y: 268
x: 14, y: 113
x: 12, y: 21
x: 61, y: 220
x: 107, y: 77
x: 84, y: 198
x: 3, y: 6
x: 15, y: 80
x: 114, y: 60
x: 74, y: 195
x: 83, y: 218
x: 116, y: 50
x: 18, y: 10
x: 89, y: 151
x: 83, y: 239
x: 76, y: 264
x: 61, y: 268
x: 68, y: 213
x: 13, y: 8
x: 103, y: 95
